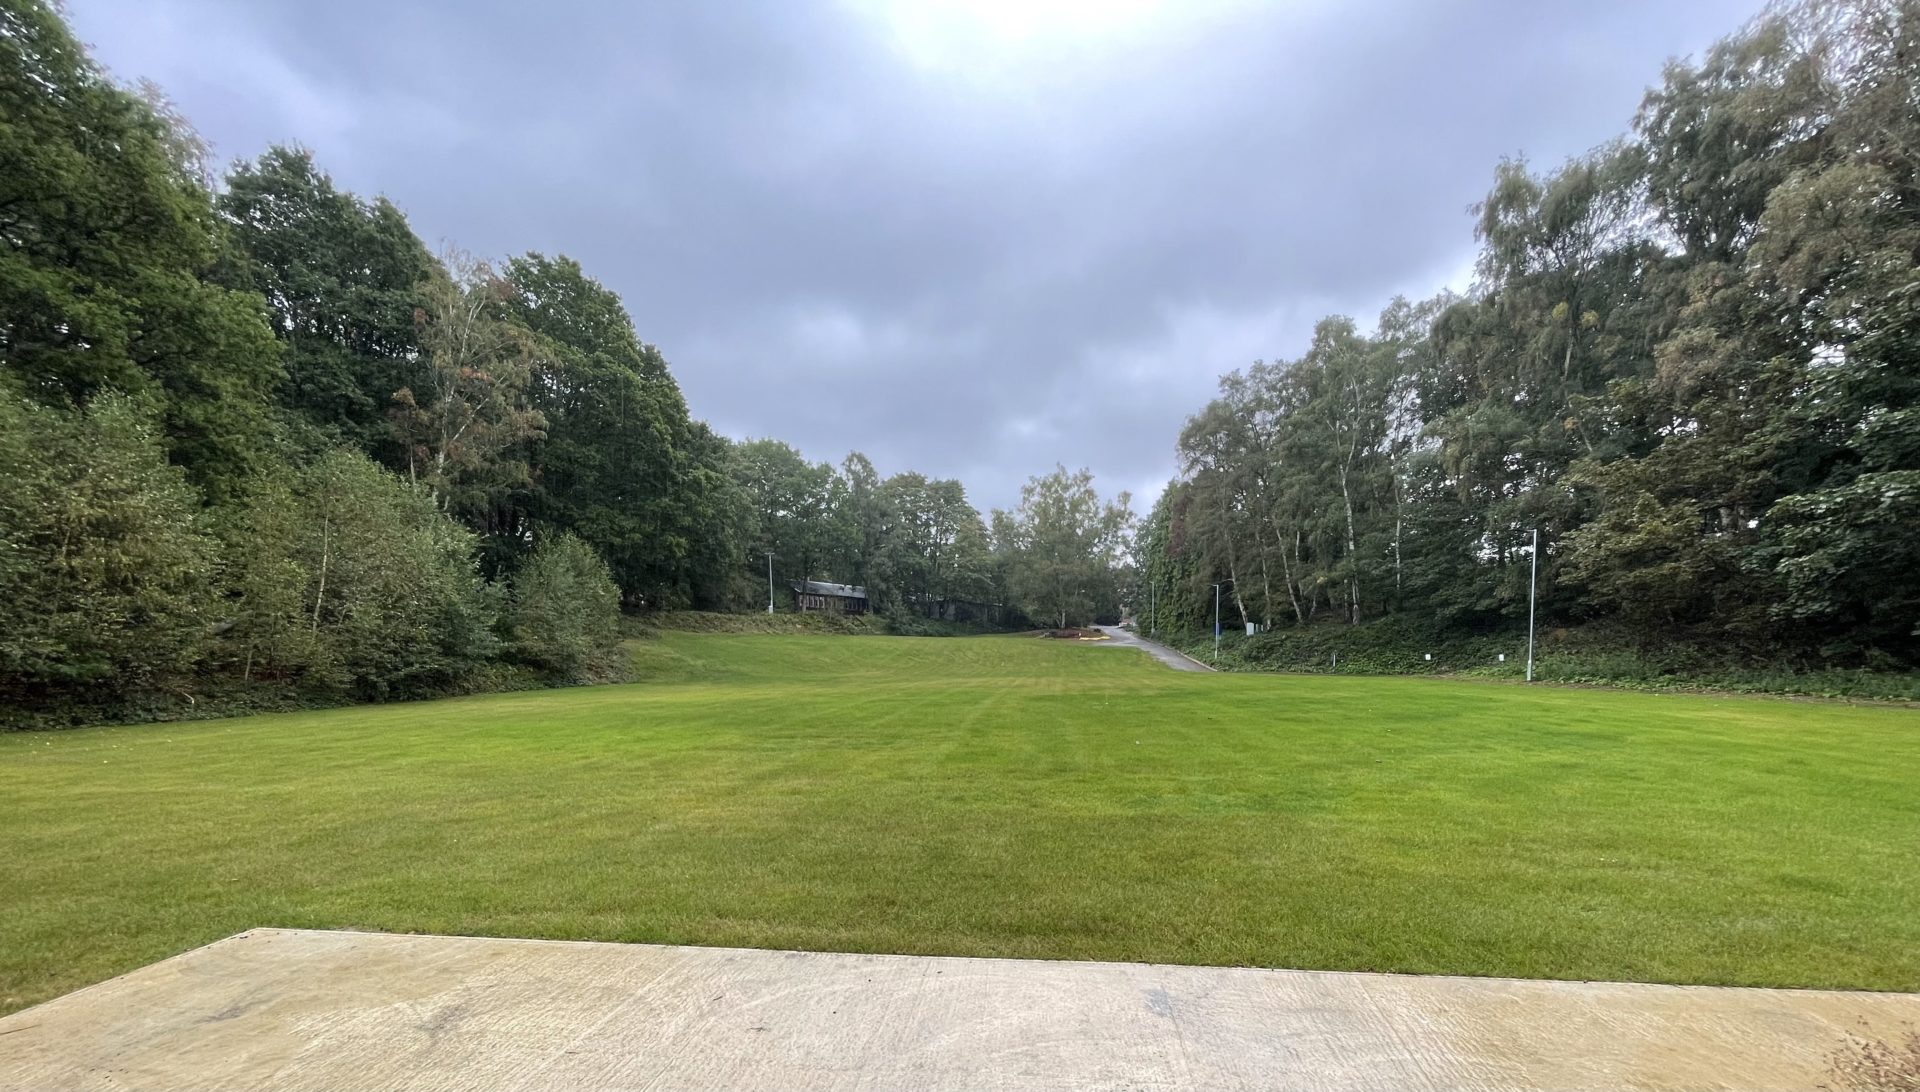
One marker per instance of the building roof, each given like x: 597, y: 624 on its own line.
x: 821, y: 587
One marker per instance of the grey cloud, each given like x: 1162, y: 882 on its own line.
x: 991, y: 268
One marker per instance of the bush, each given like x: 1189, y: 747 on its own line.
x: 701, y: 621
x: 105, y: 571
x: 565, y: 614
x: 346, y: 579
x: 896, y: 624
x: 908, y: 624
x: 1597, y: 653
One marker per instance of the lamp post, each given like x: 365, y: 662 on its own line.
x: 769, y: 582
x: 1533, y: 585
x: 1216, y: 623
x: 1154, y: 597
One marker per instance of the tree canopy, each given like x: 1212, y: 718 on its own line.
x: 259, y: 439
x: 262, y: 440
x: 1688, y: 361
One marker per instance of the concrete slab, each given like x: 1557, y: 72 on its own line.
x: 293, y: 1009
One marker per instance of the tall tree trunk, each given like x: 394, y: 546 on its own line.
x: 1286, y: 575
x: 1266, y: 588
x: 1233, y: 559
x: 1399, y: 521
x: 320, y: 593
x: 1573, y: 329
x: 1239, y: 602
x: 1353, y: 575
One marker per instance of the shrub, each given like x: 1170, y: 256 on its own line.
x: 1597, y: 653
x: 565, y: 614
x: 105, y: 571
x: 700, y: 621
x: 345, y: 578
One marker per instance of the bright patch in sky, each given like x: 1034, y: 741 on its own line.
x: 993, y: 35
x: 1023, y: 20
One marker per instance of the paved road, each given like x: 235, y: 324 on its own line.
x: 295, y: 1009
x: 1177, y: 660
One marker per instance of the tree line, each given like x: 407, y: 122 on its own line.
x: 1690, y: 361
x: 256, y: 434
x: 921, y: 549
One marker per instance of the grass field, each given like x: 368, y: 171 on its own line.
x: 997, y: 796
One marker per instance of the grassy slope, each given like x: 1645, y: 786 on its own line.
x: 1002, y: 796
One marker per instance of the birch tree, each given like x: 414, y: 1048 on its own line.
x: 465, y: 422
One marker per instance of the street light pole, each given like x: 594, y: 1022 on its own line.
x: 1533, y: 585
x: 769, y: 583
x: 1154, y: 597
x: 1216, y: 623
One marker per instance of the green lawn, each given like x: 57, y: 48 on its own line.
x: 996, y: 796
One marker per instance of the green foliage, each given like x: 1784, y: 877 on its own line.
x: 917, y: 625
x: 283, y: 340
x: 1163, y: 595
x: 466, y: 423
x: 564, y: 615
x: 105, y: 568
x: 1691, y: 363
x: 1612, y: 653
x: 915, y: 543
x: 1064, y: 548
x: 690, y: 621
x: 718, y: 518
x: 348, y: 580
x: 1847, y: 555
x: 865, y: 518
x: 793, y: 503
x: 932, y: 547
x: 106, y: 246
x: 342, y: 278
x: 620, y: 465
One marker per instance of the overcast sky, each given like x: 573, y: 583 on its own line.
x: 970, y: 239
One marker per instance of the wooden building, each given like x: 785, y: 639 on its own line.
x: 819, y: 595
